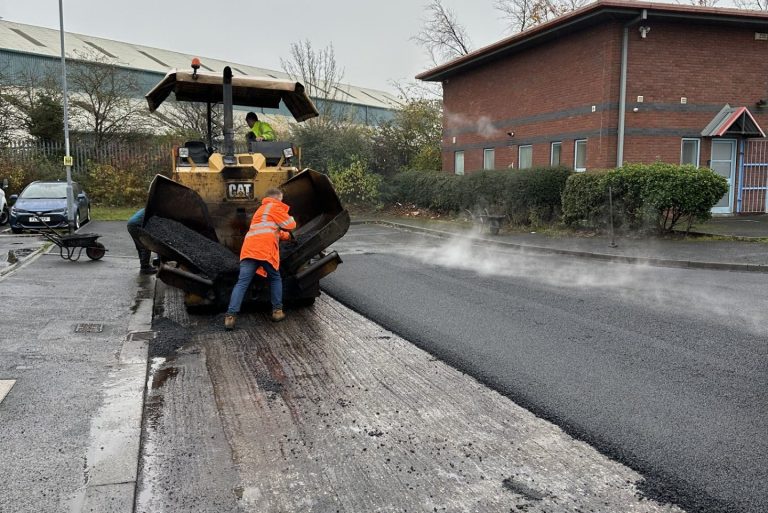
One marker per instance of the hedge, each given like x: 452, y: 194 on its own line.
x: 526, y: 196
x: 657, y: 195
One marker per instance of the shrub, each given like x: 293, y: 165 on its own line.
x: 672, y: 193
x: 355, y: 185
x: 112, y: 187
x: 526, y: 196
x: 584, y: 199
x: 660, y: 195
x: 21, y: 173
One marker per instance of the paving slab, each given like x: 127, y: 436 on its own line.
x: 71, y: 424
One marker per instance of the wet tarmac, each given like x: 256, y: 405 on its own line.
x: 328, y: 412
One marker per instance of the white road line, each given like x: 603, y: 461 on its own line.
x: 5, y: 387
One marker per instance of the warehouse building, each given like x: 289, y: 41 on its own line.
x: 618, y: 82
x: 25, y: 48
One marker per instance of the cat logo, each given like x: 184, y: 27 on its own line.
x: 240, y: 190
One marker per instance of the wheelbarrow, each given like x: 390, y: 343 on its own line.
x: 491, y: 221
x: 71, y: 246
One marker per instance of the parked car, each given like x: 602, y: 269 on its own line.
x: 3, y: 208
x: 46, y: 202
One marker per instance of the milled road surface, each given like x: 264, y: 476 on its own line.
x: 328, y: 412
x: 663, y: 369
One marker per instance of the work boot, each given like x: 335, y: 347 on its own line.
x: 278, y: 315
x: 229, y: 322
x: 147, y: 269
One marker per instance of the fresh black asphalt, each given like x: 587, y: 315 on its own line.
x: 662, y: 369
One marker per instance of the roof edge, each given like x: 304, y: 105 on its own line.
x: 599, y: 7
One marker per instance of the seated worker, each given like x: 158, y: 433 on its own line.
x: 134, y: 223
x: 259, y: 130
x: 261, y: 254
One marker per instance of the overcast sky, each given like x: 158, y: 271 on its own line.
x: 371, y: 39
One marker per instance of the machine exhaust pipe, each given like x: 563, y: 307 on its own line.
x: 229, y: 131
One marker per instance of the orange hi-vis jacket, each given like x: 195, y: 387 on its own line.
x: 262, y: 242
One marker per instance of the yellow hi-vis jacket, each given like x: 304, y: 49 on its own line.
x: 263, y: 130
x: 262, y: 242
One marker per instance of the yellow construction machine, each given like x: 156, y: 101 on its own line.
x: 197, y: 220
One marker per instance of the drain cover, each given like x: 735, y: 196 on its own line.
x: 88, y: 327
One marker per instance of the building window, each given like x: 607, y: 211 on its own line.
x: 580, y: 155
x: 525, y: 157
x: 689, y: 152
x: 458, y: 162
x: 489, y: 158
x: 554, y: 154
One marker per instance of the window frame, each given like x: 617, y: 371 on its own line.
x: 493, y: 160
x: 698, y: 149
x: 455, y: 162
x: 519, y: 155
x: 576, y: 155
x: 552, y: 153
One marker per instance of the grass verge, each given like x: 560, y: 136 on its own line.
x: 112, y: 213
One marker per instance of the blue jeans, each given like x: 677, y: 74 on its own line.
x: 248, y: 268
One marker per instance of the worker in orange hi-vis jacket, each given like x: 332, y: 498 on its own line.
x: 261, y: 254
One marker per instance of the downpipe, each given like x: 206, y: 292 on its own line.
x: 623, y: 91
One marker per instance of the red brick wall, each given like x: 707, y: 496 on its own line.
x: 569, y: 74
x: 708, y: 64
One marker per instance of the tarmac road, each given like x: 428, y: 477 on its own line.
x: 662, y: 369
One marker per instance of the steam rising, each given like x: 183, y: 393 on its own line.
x: 482, y: 125
x: 676, y: 291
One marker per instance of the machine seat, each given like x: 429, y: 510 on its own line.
x: 198, y: 152
x: 272, y: 150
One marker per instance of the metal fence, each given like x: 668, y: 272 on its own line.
x: 753, y: 182
x: 141, y: 156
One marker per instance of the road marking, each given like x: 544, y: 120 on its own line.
x: 5, y: 387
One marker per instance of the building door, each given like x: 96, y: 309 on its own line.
x: 724, y: 163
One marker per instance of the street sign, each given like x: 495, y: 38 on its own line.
x: 68, y: 161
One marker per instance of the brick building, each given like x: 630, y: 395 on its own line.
x: 618, y: 82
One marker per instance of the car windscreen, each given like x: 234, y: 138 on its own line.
x: 45, y: 191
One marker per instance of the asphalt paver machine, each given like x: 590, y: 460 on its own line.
x: 196, y: 221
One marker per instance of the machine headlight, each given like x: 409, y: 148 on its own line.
x: 184, y: 153
x: 288, y: 153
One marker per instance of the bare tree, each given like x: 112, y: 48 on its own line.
x: 442, y: 36
x: 699, y: 3
x: 754, y: 5
x: 319, y: 73
x: 190, y: 119
x: 409, y: 91
x: 33, y: 103
x: 524, y: 14
x: 7, y: 110
x: 105, y: 98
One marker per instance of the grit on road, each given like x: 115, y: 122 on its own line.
x: 662, y: 369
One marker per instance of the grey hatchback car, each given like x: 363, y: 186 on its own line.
x: 45, y: 203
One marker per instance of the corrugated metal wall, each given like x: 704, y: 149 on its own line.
x: 18, y: 64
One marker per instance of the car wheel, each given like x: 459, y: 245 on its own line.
x: 88, y: 214
x: 4, y: 216
x: 16, y: 230
x: 77, y: 220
